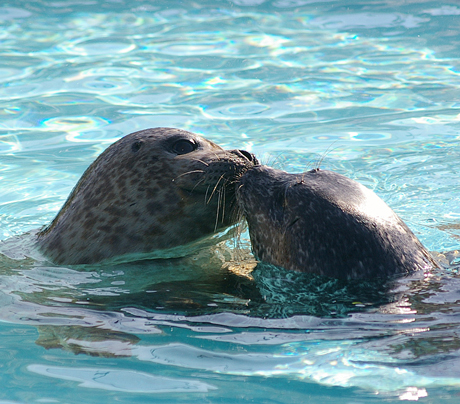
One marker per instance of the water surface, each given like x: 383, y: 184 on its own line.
x: 366, y: 88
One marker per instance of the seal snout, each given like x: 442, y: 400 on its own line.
x: 245, y: 155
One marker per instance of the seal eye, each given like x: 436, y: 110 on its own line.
x: 184, y: 146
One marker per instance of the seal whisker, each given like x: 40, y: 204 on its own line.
x: 215, y: 188
x: 225, y: 196
x: 220, y: 204
x: 328, y: 150
x: 218, y: 158
x: 188, y: 172
x: 197, y: 184
x: 201, y: 161
x: 239, y: 218
x: 222, y: 196
x: 220, y: 199
x: 206, y: 195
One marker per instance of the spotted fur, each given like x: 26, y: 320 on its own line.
x: 151, y: 190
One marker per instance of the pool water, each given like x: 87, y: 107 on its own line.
x: 369, y: 89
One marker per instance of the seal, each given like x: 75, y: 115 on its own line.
x: 152, y: 190
x: 324, y: 223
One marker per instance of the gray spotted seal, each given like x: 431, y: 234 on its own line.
x: 324, y: 223
x: 151, y: 190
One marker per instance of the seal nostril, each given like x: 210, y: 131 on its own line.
x: 249, y: 156
x: 246, y: 154
x: 135, y: 147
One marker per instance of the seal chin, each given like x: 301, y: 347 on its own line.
x: 324, y: 223
x: 144, y: 193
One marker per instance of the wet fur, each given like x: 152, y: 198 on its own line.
x: 139, y: 196
x: 324, y: 223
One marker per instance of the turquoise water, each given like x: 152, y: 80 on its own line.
x: 366, y: 88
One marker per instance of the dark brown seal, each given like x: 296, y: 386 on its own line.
x: 327, y: 224
x: 151, y: 190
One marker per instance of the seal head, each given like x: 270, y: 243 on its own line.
x: 327, y: 224
x: 151, y: 190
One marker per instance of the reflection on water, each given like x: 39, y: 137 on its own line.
x: 338, y: 333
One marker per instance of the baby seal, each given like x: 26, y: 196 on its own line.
x: 324, y: 223
x: 151, y: 190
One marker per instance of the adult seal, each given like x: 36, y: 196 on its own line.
x: 152, y: 190
x: 324, y: 223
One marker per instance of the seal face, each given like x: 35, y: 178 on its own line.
x: 327, y: 224
x: 151, y: 190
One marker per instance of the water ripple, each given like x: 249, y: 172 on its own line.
x: 370, y: 89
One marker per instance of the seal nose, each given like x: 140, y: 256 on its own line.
x: 246, y: 155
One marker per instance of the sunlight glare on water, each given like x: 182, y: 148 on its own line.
x: 366, y: 88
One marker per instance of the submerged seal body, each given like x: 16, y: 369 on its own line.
x: 327, y: 224
x: 151, y: 190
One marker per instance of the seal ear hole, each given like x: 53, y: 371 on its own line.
x: 184, y: 146
x: 135, y: 147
